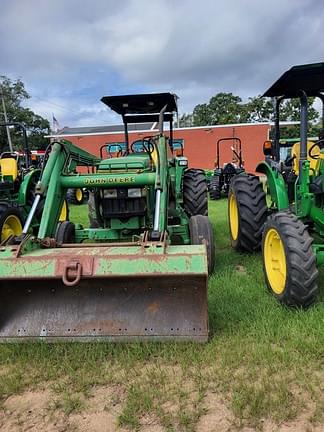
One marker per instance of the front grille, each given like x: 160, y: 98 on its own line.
x: 123, y: 207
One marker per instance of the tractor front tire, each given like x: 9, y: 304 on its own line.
x: 201, y: 232
x: 65, y: 232
x: 289, y: 262
x: 11, y: 221
x: 247, y: 212
x: 195, y: 195
x: 75, y: 196
x: 215, y: 188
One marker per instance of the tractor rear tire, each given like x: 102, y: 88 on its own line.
x: 289, y: 262
x: 201, y: 232
x: 247, y: 212
x: 75, y: 196
x: 195, y: 195
x: 11, y: 221
x: 65, y: 232
x: 215, y: 188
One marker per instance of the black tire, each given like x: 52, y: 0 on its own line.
x: 65, y: 232
x: 247, y: 192
x: 195, y: 195
x: 75, y: 196
x: 215, y: 188
x: 6, y: 210
x: 201, y: 231
x: 299, y: 285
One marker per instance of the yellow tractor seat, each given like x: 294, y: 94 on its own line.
x: 295, y: 153
x: 155, y: 157
x: 9, y: 167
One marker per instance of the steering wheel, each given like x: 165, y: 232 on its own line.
x: 147, y: 144
x: 119, y: 152
x: 320, y: 144
x: 8, y: 155
x: 288, y: 162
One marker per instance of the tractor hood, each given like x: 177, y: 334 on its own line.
x: 132, y: 162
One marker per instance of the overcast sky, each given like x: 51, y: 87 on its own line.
x: 70, y: 53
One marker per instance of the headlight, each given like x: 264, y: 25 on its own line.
x: 183, y: 162
x: 134, y: 193
x: 110, y: 193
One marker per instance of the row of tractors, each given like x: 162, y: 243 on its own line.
x: 138, y: 270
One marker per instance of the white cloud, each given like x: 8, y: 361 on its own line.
x: 70, y: 53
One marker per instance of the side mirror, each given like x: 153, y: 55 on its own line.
x: 267, y: 148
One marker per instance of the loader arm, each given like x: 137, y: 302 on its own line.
x: 63, y: 159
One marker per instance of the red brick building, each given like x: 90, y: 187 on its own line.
x: 199, y: 142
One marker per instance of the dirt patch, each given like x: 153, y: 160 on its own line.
x: 101, y: 411
x: 33, y: 411
x: 4, y: 370
x: 241, y: 269
x: 30, y: 412
x: 95, y: 422
x: 217, y: 418
x: 300, y: 425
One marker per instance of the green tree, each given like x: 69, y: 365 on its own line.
x: 259, y: 109
x: 202, y: 115
x: 14, y: 94
x: 223, y: 108
x: 290, y: 111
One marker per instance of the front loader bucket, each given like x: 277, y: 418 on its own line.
x: 79, y: 293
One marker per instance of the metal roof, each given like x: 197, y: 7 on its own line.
x: 107, y: 131
x: 149, y: 103
x: 309, y: 77
x: 104, y: 129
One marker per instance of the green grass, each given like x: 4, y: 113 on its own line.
x: 265, y: 361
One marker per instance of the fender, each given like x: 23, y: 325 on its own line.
x: 276, y: 185
x: 29, y: 179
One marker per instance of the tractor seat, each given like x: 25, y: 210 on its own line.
x: 9, y: 168
x: 316, y: 186
x: 229, y: 169
x: 295, y: 153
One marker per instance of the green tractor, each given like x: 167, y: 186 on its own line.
x: 288, y: 223
x: 220, y: 182
x: 139, y: 270
x: 18, y: 178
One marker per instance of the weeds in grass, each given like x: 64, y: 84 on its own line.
x: 69, y: 403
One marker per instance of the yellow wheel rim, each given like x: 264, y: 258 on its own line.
x: 79, y: 195
x: 64, y: 212
x: 233, y: 217
x: 275, y: 261
x: 11, y: 227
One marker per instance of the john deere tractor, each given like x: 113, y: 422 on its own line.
x: 288, y: 223
x: 219, y: 183
x: 139, y: 270
x: 18, y: 178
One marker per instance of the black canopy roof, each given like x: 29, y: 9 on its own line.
x: 309, y: 77
x: 151, y: 103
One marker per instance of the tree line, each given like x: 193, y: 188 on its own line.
x: 227, y: 108
x: 223, y: 108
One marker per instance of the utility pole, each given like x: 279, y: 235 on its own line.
x: 6, y: 118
